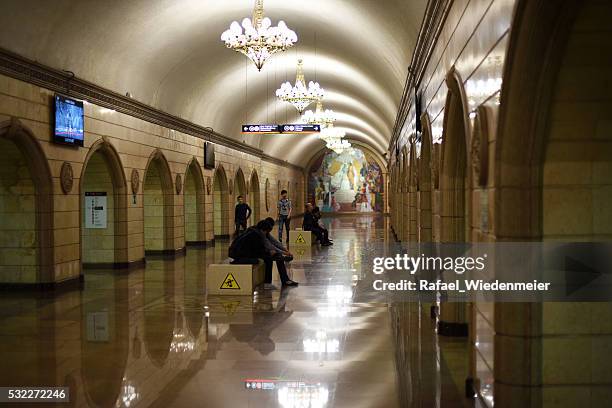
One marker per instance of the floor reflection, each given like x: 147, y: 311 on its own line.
x: 154, y: 338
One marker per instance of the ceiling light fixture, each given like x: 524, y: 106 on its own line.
x: 334, y: 139
x: 259, y: 40
x: 299, y: 95
x: 339, y: 146
x: 325, y: 118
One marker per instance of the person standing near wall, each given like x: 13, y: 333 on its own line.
x: 242, y: 213
x: 284, y: 215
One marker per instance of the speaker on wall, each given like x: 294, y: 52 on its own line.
x: 209, y: 155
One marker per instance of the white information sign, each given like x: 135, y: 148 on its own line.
x: 95, y: 209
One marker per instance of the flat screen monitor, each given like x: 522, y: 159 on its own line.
x: 209, y: 155
x: 68, y: 123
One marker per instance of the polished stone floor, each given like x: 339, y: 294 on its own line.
x: 154, y: 338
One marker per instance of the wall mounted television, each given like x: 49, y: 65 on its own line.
x: 68, y: 121
x: 209, y: 155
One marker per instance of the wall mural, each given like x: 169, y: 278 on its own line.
x: 346, y: 182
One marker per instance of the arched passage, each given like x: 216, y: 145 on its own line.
x: 268, y: 195
x: 221, y: 204
x: 454, y: 179
x: 240, y: 186
x: 453, y: 174
x: 26, y: 210
x: 193, y: 203
x: 158, y: 205
x: 424, y: 186
x: 552, y: 182
x: 103, y: 239
x: 255, y: 197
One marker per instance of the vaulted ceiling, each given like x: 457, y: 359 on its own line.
x: 168, y: 54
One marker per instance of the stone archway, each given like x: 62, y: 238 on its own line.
x: 27, y: 194
x: 454, y: 191
x: 240, y: 185
x: 424, y: 186
x: 221, y: 204
x: 255, y: 197
x: 193, y: 203
x: 158, y: 205
x: 102, y: 173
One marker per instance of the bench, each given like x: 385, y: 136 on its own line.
x: 299, y: 237
x: 231, y: 279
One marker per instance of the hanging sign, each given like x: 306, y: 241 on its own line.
x: 95, y: 209
x: 289, y: 128
x: 300, y: 128
x: 260, y: 128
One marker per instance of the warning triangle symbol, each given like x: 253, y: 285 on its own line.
x: 300, y: 239
x: 230, y: 282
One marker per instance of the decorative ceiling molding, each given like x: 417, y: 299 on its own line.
x: 23, y: 69
x: 431, y: 27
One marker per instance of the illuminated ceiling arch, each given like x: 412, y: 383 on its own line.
x: 168, y: 54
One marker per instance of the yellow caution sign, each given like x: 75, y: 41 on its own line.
x: 230, y: 282
x: 230, y: 307
x: 300, y: 239
x: 300, y: 252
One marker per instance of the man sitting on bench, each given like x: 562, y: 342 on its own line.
x: 316, y: 212
x: 281, y: 252
x: 252, y: 245
x: 311, y: 224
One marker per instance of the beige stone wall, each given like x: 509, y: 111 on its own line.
x: 473, y: 42
x: 577, y: 206
x: 18, y: 243
x: 135, y: 141
x: 577, y: 169
x: 538, y: 355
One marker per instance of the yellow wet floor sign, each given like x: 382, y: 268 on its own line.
x: 230, y: 282
x: 300, y: 239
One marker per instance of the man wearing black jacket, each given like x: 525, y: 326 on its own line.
x: 253, y: 245
x: 311, y: 223
x: 242, y: 213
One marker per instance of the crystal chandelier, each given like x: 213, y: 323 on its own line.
x: 259, y: 40
x: 338, y: 145
x: 331, y: 133
x: 333, y: 138
x: 325, y: 118
x: 299, y: 95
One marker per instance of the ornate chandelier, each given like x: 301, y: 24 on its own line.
x: 299, y: 95
x: 325, y: 118
x: 331, y: 133
x: 334, y: 139
x: 338, y: 145
x: 260, y: 40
